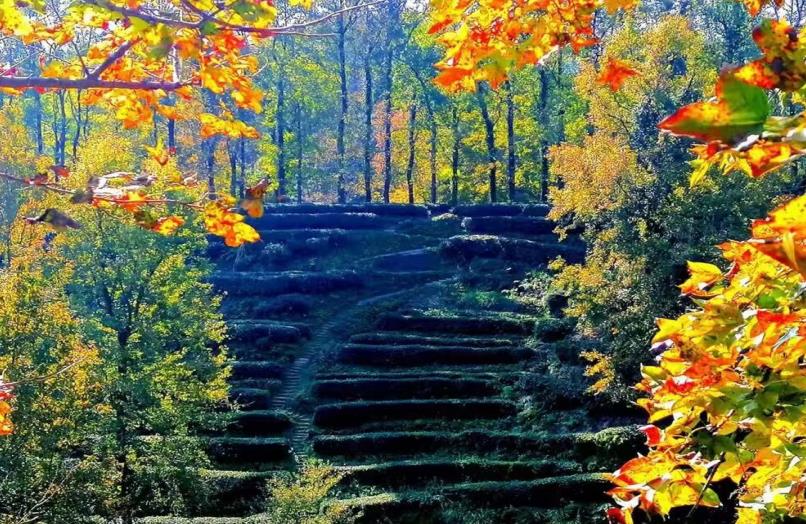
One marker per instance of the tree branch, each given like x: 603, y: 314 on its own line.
x: 19, y: 82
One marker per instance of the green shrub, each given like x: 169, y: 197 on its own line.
x: 352, y: 414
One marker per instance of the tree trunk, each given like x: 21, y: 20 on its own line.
x: 299, y: 153
x: 455, y: 158
x: 387, y: 109
x: 242, y: 178
x: 280, y: 136
x: 510, y: 143
x: 40, y: 141
x: 232, y: 153
x: 412, y: 145
x: 544, y: 140
x: 342, y: 33
x: 368, y: 136
x: 492, y: 152
x: 432, y: 127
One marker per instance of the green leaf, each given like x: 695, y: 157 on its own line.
x: 740, y: 110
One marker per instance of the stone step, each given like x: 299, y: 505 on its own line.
x: 325, y: 220
x: 490, y: 210
x: 465, y: 248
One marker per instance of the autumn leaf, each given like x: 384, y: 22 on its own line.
x: 253, y: 203
x: 702, y: 277
x: 615, y: 73
x: 168, y: 225
x: 739, y: 110
x: 220, y: 220
x: 60, y: 171
x: 159, y: 153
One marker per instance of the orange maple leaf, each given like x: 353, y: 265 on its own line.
x: 615, y: 73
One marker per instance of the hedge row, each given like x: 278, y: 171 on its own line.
x: 505, y: 225
x: 507, y: 377
x: 268, y: 332
x: 251, y: 398
x: 321, y: 221
x: 300, y: 282
x: 414, y: 472
x: 292, y: 304
x: 258, y: 423
x: 392, y: 210
x: 393, y: 338
x: 251, y: 451
x: 352, y: 414
x: 414, y: 260
x: 367, y: 355
x: 614, y: 443
x: 255, y: 369
x: 465, y: 248
x: 493, y: 210
x: 464, y: 325
x: 389, y: 389
x: 420, y: 506
x: 233, y: 493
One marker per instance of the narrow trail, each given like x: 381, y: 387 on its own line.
x: 323, y: 342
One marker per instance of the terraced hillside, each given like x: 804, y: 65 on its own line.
x: 380, y: 339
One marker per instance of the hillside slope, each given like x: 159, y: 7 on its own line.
x: 380, y: 339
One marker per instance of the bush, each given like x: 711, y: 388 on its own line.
x: 465, y: 325
x: 242, y: 450
x: 383, y: 338
x: 352, y: 414
x: 465, y: 248
x: 258, y: 423
x: 425, y: 355
x: 388, y: 389
x: 321, y: 220
x: 506, y: 225
x: 270, y: 332
x: 308, y: 283
x: 394, y: 210
x: 256, y: 369
x: 611, y: 444
x: 414, y: 472
x: 491, y: 210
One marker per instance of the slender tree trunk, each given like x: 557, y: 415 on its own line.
x: 543, y: 118
x: 432, y: 127
x: 369, y: 142
x: 210, y: 165
x: 412, y: 145
x: 455, y: 158
x: 492, y: 152
x: 40, y: 141
x: 172, y: 135
x: 280, y: 136
x: 387, y: 99
x: 299, y: 153
x: 232, y: 153
x: 77, y: 117
x: 510, y: 143
x: 242, y: 178
x: 342, y: 33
